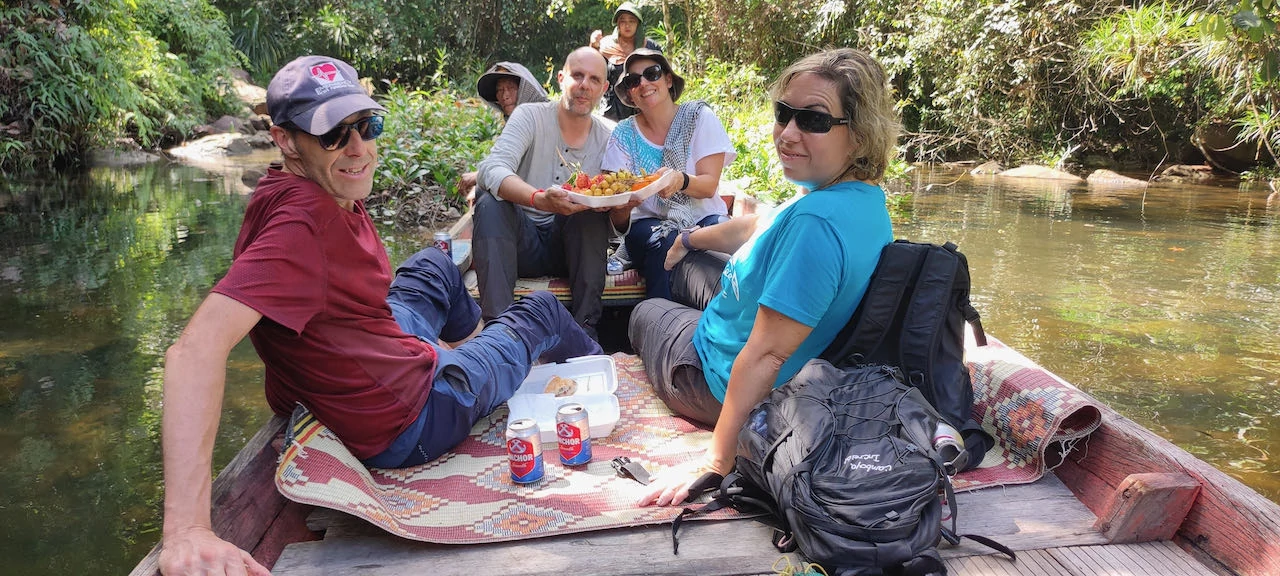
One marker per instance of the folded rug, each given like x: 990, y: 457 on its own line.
x: 1028, y: 410
x: 467, y: 496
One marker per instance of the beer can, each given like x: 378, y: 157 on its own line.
x: 524, y: 451
x: 444, y: 242
x: 573, y: 434
x: 950, y: 446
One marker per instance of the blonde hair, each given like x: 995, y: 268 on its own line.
x: 867, y: 100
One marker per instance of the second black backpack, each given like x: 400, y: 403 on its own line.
x: 913, y: 317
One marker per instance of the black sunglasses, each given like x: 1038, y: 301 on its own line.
x: 369, y: 128
x: 652, y: 74
x: 811, y: 121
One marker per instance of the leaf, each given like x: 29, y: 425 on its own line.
x: 1271, y: 67
x: 1246, y: 19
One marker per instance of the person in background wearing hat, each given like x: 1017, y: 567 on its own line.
x: 521, y: 227
x: 311, y: 286
x: 615, y: 48
x: 687, y: 138
x: 503, y: 86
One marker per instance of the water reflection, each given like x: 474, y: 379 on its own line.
x: 98, y: 273
x: 1163, y: 302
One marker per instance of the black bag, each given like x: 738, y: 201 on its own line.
x: 913, y: 317
x: 843, y: 462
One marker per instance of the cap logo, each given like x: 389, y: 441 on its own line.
x: 329, y: 78
x: 326, y: 73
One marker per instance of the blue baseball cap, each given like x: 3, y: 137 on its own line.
x: 315, y: 93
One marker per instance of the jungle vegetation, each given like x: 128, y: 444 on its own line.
x: 1120, y: 84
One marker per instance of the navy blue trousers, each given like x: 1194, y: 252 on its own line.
x: 429, y: 300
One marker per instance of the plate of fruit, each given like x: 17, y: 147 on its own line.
x: 614, y: 188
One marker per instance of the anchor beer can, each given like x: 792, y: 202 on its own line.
x: 950, y: 446
x: 524, y: 451
x: 444, y: 242
x: 573, y: 434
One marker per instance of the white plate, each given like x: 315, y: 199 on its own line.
x: 622, y: 197
x: 597, y: 378
x: 600, y: 201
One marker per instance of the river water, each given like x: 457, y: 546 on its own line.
x: 1162, y: 302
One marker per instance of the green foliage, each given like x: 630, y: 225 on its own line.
x: 432, y: 137
x: 83, y: 75
x: 401, y: 40
x: 1241, y: 50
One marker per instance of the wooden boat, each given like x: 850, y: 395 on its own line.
x: 1127, y: 502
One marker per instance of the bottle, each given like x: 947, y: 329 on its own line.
x: 950, y: 447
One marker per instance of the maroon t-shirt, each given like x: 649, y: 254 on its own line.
x: 319, y: 276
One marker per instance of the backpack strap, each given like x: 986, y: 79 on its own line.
x: 735, y: 492
x: 926, y: 313
x: 954, y: 538
x: 866, y: 330
x: 970, y: 313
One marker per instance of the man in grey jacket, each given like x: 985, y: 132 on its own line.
x: 522, y: 229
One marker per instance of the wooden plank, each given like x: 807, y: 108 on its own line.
x: 289, y: 526
x: 1030, y: 563
x: 1024, y: 517
x: 1140, y: 559
x: 1147, y: 507
x: 1228, y: 521
x: 726, y: 548
x: 245, y: 501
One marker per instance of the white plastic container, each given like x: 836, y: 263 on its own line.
x: 623, y: 197
x: 597, y: 378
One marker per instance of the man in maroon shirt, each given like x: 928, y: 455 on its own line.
x: 396, y: 366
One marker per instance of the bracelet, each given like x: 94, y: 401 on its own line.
x: 533, y: 199
x: 684, y: 238
x: 685, y: 186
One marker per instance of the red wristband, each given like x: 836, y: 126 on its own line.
x: 533, y: 199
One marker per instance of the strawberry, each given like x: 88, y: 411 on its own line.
x: 582, y: 182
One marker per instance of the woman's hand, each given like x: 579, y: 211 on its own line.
x: 672, y: 486
x: 671, y: 189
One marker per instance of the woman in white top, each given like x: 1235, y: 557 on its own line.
x: 687, y: 138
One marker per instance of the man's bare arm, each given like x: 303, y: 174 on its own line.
x: 194, y: 381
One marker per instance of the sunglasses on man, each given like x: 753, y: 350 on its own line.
x: 369, y: 128
x: 652, y: 74
x: 811, y: 121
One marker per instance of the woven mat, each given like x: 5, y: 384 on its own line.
x: 467, y: 496
x: 1029, y: 410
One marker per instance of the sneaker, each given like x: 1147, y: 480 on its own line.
x: 614, y: 267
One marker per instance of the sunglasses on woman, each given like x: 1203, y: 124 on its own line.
x: 369, y: 128
x: 652, y: 74
x: 811, y: 121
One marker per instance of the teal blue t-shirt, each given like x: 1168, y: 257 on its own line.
x: 811, y: 262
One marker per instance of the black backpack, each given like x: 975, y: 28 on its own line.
x: 913, y: 317
x: 841, y: 463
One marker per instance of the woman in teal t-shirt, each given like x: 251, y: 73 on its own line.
x: 735, y: 330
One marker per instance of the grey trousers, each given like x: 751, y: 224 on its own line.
x: 661, y: 333
x: 508, y: 246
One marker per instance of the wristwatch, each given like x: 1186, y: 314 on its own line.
x: 684, y: 238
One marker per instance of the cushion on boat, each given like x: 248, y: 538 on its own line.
x: 619, y: 290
